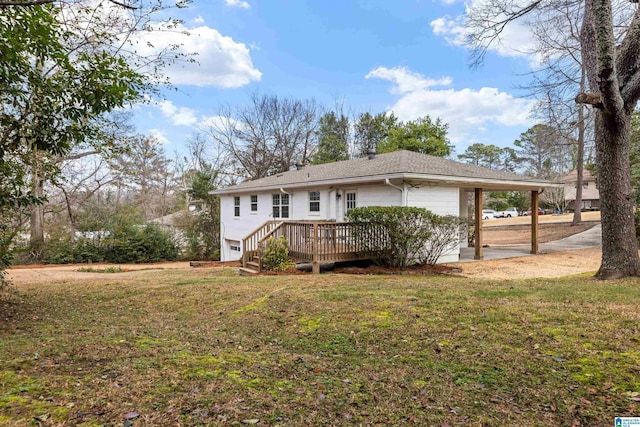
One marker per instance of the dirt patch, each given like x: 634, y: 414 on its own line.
x: 545, y: 265
x: 416, y: 269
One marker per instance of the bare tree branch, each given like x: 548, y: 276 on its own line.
x: 27, y: 3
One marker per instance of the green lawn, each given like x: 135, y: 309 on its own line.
x: 207, y: 347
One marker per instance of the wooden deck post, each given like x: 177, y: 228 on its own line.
x: 244, y: 253
x: 478, y: 224
x: 315, y: 264
x: 534, y: 222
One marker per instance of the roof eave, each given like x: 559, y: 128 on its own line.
x: 489, y: 183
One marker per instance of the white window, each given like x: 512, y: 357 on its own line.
x: 280, y: 205
x: 254, y: 203
x: 234, y: 246
x: 351, y: 200
x: 314, y: 201
x: 236, y: 206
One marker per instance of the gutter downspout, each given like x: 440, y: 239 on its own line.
x: 402, y: 197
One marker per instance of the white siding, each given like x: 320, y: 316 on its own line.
x: 379, y: 195
x: 440, y: 200
x: 234, y: 229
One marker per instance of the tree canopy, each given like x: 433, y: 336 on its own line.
x: 422, y: 136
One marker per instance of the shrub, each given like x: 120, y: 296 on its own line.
x: 276, y: 254
x: 200, y: 236
x: 127, y: 243
x: 137, y: 244
x: 393, y: 235
x: 445, y: 236
x: 399, y: 236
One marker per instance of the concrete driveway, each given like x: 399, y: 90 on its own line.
x: 587, y: 239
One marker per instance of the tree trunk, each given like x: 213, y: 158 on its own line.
x: 619, y: 243
x: 577, y: 203
x: 612, y: 133
x: 36, y: 224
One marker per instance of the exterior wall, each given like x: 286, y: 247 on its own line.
x: 234, y: 229
x: 590, y: 193
x: 440, y: 200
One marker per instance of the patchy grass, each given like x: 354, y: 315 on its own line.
x: 207, y: 347
x: 100, y: 270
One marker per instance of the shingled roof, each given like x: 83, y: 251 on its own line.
x: 395, y: 165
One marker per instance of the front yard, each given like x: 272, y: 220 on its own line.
x: 208, y: 347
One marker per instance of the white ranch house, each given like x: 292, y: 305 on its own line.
x: 322, y: 194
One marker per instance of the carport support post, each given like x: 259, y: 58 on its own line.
x: 534, y: 222
x: 478, y: 224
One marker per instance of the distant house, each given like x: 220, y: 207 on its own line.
x: 312, y: 202
x: 168, y: 223
x: 590, y: 193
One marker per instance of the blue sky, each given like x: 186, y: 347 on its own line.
x: 404, y: 56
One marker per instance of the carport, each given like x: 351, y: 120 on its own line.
x: 533, y: 188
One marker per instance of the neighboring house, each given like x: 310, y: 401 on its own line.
x: 168, y: 224
x: 326, y: 193
x: 590, y: 193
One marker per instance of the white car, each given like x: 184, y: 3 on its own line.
x: 488, y: 214
x: 507, y: 213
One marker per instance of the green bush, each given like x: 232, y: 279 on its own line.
x: 201, y: 236
x: 139, y: 244
x: 445, y: 236
x: 129, y: 243
x: 276, y: 254
x: 394, y: 235
x: 399, y: 236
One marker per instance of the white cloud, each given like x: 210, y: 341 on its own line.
x: 179, y: 116
x: 406, y: 80
x: 220, y: 60
x: 467, y: 111
x: 237, y: 3
x: 160, y: 135
x: 198, y: 20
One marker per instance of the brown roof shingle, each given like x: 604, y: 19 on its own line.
x: 382, y: 165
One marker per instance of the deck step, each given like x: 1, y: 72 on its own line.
x: 253, y: 265
x: 244, y: 271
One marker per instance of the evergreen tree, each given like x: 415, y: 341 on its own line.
x: 333, y: 139
x: 422, y: 136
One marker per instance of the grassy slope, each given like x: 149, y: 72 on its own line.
x: 206, y: 347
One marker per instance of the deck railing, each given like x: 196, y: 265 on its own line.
x: 250, y: 244
x: 318, y: 242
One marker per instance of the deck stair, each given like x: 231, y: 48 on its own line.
x: 314, y: 242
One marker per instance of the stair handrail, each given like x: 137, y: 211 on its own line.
x: 252, y: 237
x: 262, y: 244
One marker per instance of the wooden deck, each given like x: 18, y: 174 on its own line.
x: 316, y: 242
